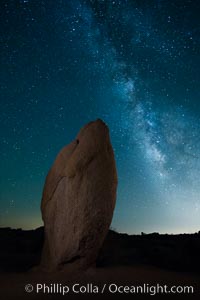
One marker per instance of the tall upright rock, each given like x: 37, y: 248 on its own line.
x: 79, y: 199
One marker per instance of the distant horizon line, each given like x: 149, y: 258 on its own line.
x: 110, y: 229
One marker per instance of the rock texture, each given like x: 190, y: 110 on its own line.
x: 79, y: 199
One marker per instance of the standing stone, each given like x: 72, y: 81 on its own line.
x: 79, y: 199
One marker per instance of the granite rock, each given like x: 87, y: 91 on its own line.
x: 78, y: 199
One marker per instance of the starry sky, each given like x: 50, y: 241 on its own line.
x: 135, y: 64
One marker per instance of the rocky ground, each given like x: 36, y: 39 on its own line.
x: 123, y: 260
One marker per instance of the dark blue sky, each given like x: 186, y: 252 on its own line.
x: 135, y: 64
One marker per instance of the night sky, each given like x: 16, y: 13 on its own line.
x: 135, y: 64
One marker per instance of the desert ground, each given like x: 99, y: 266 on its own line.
x: 123, y: 260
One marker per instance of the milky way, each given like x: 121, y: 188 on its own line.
x: 135, y: 64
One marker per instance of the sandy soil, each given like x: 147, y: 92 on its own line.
x: 12, y: 285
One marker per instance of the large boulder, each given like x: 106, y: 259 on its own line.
x: 79, y: 199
